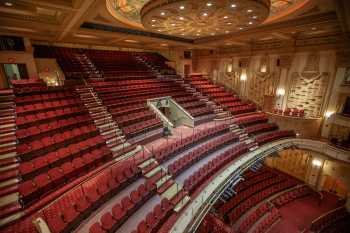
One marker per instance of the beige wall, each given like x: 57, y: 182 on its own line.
x: 177, y: 59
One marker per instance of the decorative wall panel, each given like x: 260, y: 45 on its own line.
x: 263, y: 81
x: 309, y: 87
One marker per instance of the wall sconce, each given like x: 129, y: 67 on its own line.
x: 243, y: 76
x: 316, y: 162
x: 280, y: 92
x: 263, y: 68
x: 229, y: 68
x: 328, y: 114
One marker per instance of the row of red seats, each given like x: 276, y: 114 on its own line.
x: 264, y: 127
x: 197, y: 154
x: 128, y: 109
x: 62, y: 155
x: 212, y: 224
x: 266, y: 223
x: 207, y: 170
x: 251, y: 191
x: 200, y: 111
x: 236, y: 213
x: 163, y: 153
x: 46, y: 182
x: 30, y: 133
x: 291, y: 195
x: 31, y: 119
x: 325, y: 221
x: 46, y: 144
x: 128, y: 119
x: 253, y: 217
x: 112, y: 220
x: 251, y: 119
x: 290, y: 112
x: 249, y: 174
x: 49, y: 96
x: 242, y: 109
x: 46, y: 106
x: 250, y: 182
x: 268, y: 137
x: 141, y: 127
x: 155, y: 218
x: 66, y: 213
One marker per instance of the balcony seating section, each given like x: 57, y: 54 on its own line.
x: 293, y: 112
x: 253, y: 217
x: 57, y: 140
x: 291, y: 195
x: 155, y: 218
x: 337, y: 220
x: 199, y: 176
x: 212, y: 224
x: 197, y: 154
x: 228, y: 101
x: 259, y: 196
x: 110, y: 221
x: 126, y: 100
x: 165, y: 152
x: 251, y: 119
x: 269, y: 137
x: 261, y: 128
x: 67, y: 212
x: 268, y: 221
x: 256, y: 189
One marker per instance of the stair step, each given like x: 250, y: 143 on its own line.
x: 162, y: 181
x: 155, y: 171
x: 9, y: 199
x: 150, y: 167
x: 169, y: 183
x: 147, y: 162
x: 182, y: 203
x: 8, y: 174
x: 9, y: 209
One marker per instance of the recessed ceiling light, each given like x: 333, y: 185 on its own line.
x: 153, y: 20
x: 225, y: 17
x: 181, y: 18
x: 197, y: 34
x: 159, y: 30
x: 212, y: 34
x: 164, y: 44
x: 209, y: 4
x: 255, y: 17
x: 153, y: 25
x: 182, y: 7
x: 162, y: 13
x: 173, y: 24
x: 182, y: 34
x: 229, y: 23
x: 131, y: 41
x: 249, y: 10
x: 314, y: 28
x: 250, y: 23
x: 233, y: 5
x: 227, y: 31
x: 240, y: 28
x: 8, y: 4
x: 205, y: 14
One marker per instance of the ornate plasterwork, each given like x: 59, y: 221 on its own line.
x: 128, y: 11
x: 263, y: 81
x: 203, y: 18
x: 308, y: 88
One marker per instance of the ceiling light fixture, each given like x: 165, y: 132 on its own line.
x: 8, y: 4
x: 182, y: 7
x: 229, y: 23
x: 255, y: 17
x: 225, y: 17
x: 227, y: 32
x: 205, y: 14
x: 250, y: 23
x: 181, y: 18
x: 209, y: 4
x: 233, y: 5
x: 162, y: 13
x: 249, y: 10
x: 240, y: 28
x: 173, y: 24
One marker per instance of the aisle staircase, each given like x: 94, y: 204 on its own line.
x: 166, y: 185
x: 9, y: 174
x: 243, y: 136
x: 103, y: 120
x: 89, y: 68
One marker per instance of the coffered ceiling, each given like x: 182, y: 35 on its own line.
x: 118, y: 23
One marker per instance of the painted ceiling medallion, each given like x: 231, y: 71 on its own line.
x: 200, y: 18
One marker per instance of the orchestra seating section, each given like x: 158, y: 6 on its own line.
x: 60, y: 166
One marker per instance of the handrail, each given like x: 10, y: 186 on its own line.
x: 327, y: 213
x: 200, y: 205
x: 182, y: 109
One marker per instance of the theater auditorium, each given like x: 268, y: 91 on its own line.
x: 174, y: 116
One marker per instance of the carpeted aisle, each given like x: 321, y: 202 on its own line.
x: 298, y: 214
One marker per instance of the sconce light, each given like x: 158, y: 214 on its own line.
x: 280, y: 92
x: 263, y: 69
x: 229, y: 68
x: 243, y: 75
x: 316, y: 162
x: 328, y: 114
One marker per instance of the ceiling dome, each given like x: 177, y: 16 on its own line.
x: 201, y: 18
